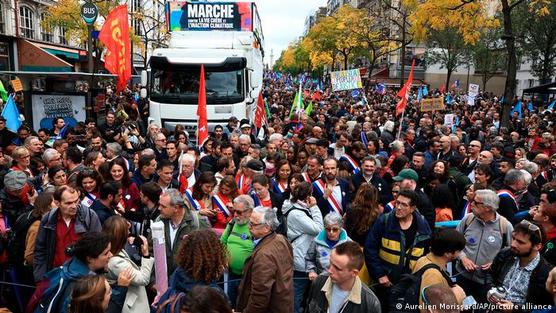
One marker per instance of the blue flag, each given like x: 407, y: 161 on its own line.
x: 551, y: 106
x: 530, y: 107
x: 517, y: 108
x: 11, y: 114
x: 449, y: 99
x: 381, y: 89
x: 355, y: 93
x: 425, y: 91
x: 420, y: 94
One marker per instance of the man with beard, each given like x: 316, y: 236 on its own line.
x: 369, y: 175
x: 107, y: 202
x: 521, y: 270
x: 332, y: 193
x: 238, y: 241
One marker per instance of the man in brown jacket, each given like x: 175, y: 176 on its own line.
x: 267, y: 284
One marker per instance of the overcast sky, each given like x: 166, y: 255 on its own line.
x: 284, y: 21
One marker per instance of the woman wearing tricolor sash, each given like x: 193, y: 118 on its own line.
x: 263, y: 196
x: 199, y: 197
x: 222, y: 203
x: 280, y: 182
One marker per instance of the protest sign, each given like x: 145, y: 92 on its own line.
x: 449, y: 120
x: 227, y: 16
x: 432, y: 104
x: 472, y: 93
x: 48, y: 107
x: 346, y: 80
x: 17, y: 85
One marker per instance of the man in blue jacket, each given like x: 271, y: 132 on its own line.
x: 397, y: 240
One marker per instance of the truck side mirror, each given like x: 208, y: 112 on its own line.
x: 144, y: 78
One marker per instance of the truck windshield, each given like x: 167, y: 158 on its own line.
x: 180, y: 84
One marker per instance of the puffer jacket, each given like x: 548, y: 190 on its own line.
x: 318, y: 255
x: 302, y: 229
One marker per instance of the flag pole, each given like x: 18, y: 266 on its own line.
x: 401, y: 123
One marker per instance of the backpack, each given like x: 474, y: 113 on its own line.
x: 501, y: 226
x: 18, y: 238
x: 51, y: 294
x: 171, y: 302
x: 404, y: 296
x: 283, y: 226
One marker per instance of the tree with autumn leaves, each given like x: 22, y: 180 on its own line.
x: 66, y: 14
x: 341, y: 38
x: 471, y: 18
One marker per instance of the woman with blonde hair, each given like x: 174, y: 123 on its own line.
x: 364, y: 212
x: 117, y: 229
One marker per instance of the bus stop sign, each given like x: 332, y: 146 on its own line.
x: 89, y: 12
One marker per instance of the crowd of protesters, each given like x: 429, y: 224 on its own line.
x: 328, y: 211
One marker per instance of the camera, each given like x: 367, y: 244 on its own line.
x: 497, y: 292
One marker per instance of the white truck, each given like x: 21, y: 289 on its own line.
x: 227, y: 38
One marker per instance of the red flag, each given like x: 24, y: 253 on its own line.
x: 404, y: 92
x: 115, y: 36
x: 202, y: 126
x: 442, y: 89
x: 260, y: 113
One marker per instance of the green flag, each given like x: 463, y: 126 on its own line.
x: 309, y: 108
x: 267, y: 110
x: 295, y: 104
x: 3, y: 92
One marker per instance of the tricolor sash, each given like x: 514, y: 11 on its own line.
x: 389, y: 207
x: 307, y: 177
x: 466, y: 209
x: 279, y: 188
x: 220, y: 202
x: 352, y: 163
x: 505, y: 192
x: 333, y: 203
x: 194, y: 203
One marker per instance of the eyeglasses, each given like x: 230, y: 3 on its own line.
x: 475, y: 146
x: 253, y: 225
x: 332, y: 229
x: 532, y: 227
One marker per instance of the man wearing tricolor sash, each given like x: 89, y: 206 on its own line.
x: 332, y: 192
x: 353, y: 156
x: 515, y: 184
x: 314, y: 169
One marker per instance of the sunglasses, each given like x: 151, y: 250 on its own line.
x: 532, y: 227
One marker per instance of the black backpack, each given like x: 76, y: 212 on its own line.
x: 16, y: 244
x: 283, y: 226
x: 404, y: 296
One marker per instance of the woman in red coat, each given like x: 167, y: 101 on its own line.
x: 131, y: 197
x: 222, y: 203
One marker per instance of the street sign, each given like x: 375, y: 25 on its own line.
x: 89, y: 12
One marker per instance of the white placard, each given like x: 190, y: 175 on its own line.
x: 47, y: 107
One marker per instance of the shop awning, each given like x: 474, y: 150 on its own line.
x: 60, y: 51
x: 34, y: 58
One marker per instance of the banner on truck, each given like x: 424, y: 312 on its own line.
x: 346, y: 80
x: 47, y: 107
x: 203, y: 16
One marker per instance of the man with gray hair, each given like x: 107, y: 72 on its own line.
x: 239, y: 242
x: 178, y: 222
x: 51, y: 158
x: 267, y: 284
x: 486, y: 233
x: 515, y: 185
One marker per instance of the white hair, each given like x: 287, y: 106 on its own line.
x: 489, y: 198
x: 389, y: 126
x: 275, y: 137
x: 268, y: 216
x: 245, y: 137
x: 186, y: 157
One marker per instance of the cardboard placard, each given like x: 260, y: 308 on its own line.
x: 432, y: 104
x: 17, y: 85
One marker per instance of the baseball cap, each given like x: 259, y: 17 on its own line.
x: 15, y: 180
x: 245, y: 126
x: 407, y: 174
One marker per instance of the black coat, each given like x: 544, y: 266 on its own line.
x: 536, y: 292
x: 383, y: 187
